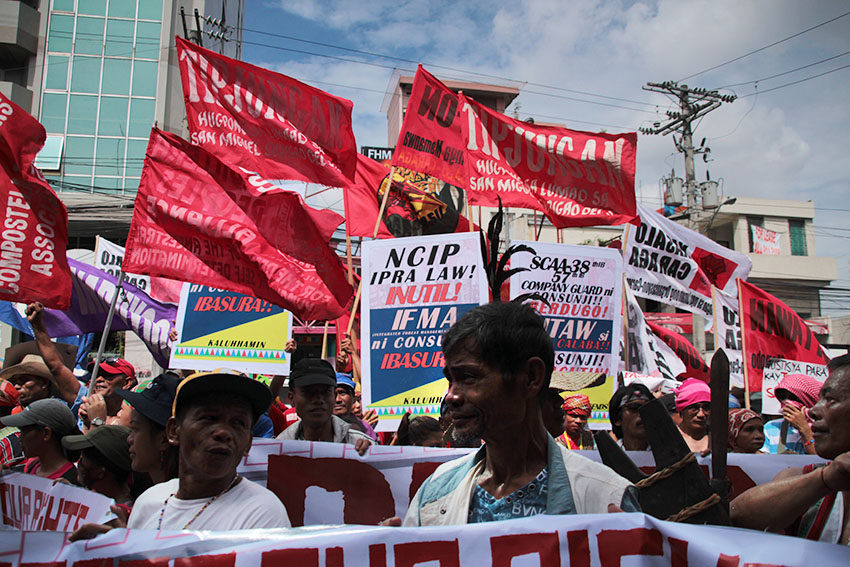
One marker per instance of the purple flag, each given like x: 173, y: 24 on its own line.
x: 135, y: 311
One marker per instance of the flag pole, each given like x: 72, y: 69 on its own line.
x: 109, y: 315
x: 374, y: 235
x: 325, y: 342
x: 743, y: 348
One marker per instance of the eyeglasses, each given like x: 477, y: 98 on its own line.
x: 695, y: 408
x: 634, y: 406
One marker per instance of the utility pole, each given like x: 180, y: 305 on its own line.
x: 693, y: 103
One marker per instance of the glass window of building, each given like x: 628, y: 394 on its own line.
x: 141, y: 117
x: 85, y: 74
x: 112, y: 184
x: 150, y: 10
x: 122, y: 8
x: 109, y: 157
x: 92, y: 7
x: 79, y: 155
x: 119, y: 38
x: 60, y: 34
x: 82, y: 114
x: 88, y: 37
x: 116, y: 76
x: 112, y: 120
x: 135, y: 157
x: 144, y: 78
x: 797, y: 232
x: 63, y: 5
x: 53, y: 106
x: 147, y: 40
x: 751, y: 222
x: 57, y: 73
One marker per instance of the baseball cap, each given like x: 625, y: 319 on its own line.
x: 343, y: 379
x: 155, y: 401
x: 110, y: 440
x: 49, y: 412
x: 223, y: 381
x: 115, y: 365
x: 310, y: 371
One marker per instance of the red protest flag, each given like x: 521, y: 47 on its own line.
x: 198, y: 220
x: 418, y: 204
x: 34, y: 222
x: 771, y: 331
x: 695, y: 366
x: 267, y: 122
x: 431, y: 139
x: 575, y: 178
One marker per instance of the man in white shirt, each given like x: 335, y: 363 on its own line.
x: 211, y: 422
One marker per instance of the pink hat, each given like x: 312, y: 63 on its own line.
x: 692, y: 391
x: 804, y: 387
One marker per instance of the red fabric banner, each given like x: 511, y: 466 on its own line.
x: 33, y: 221
x: 265, y: 121
x: 197, y: 220
x: 431, y: 139
x: 770, y: 330
x: 575, y: 178
x: 681, y: 323
x: 695, y: 366
x: 418, y: 204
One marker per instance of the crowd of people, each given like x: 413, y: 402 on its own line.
x: 167, y: 451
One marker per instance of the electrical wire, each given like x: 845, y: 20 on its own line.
x: 775, y: 43
x: 786, y: 72
x: 797, y: 82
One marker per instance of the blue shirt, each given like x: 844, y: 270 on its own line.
x: 530, y: 500
x: 793, y: 441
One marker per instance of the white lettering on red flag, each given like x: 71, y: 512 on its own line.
x: 33, y: 221
x: 773, y: 337
x: 676, y: 266
x: 265, y: 121
x: 575, y: 178
x: 198, y: 220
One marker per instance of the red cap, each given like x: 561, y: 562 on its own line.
x: 116, y: 365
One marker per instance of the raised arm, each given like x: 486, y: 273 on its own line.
x: 776, y: 505
x: 67, y: 383
x: 277, y: 381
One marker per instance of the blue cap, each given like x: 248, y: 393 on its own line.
x: 733, y: 402
x: 343, y: 379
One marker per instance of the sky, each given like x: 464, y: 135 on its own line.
x: 583, y: 64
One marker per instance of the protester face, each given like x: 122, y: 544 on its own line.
x: 31, y: 388
x: 631, y: 422
x: 147, y: 444
x: 314, y: 404
x: 32, y: 440
x: 106, y: 384
x: 88, y: 471
x: 751, y: 437
x: 574, y: 423
x: 213, y: 434
x: 344, y: 401
x: 357, y: 407
x: 480, y: 403
x: 832, y: 416
x: 695, y: 418
x: 553, y: 414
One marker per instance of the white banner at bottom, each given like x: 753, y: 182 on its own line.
x: 605, y: 540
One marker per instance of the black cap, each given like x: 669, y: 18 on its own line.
x: 49, y: 412
x: 156, y: 400
x: 224, y: 381
x: 310, y: 371
x: 109, y: 440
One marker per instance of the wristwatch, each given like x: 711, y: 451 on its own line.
x: 97, y: 422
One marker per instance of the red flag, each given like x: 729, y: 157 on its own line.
x: 418, y: 204
x: 34, y: 222
x: 198, y: 220
x: 265, y: 121
x: 695, y: 366
x: 770, y: 330
x: 575, y: 178
x: 431, y: 140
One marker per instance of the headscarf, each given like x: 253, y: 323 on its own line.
x: 802, y: 386
x: 737, y: 419
x: 577, y: 404
x: 692, y: 391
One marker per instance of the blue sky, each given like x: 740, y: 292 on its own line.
x: 791, y: 143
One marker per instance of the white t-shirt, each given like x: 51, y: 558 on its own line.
x: 245, y: 506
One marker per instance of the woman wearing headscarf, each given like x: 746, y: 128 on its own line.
x: 792, y: 433
x: 746, y: 431
x: 576, y: 413
x: 693, y: 402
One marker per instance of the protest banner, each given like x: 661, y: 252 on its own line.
x: 775, y: 370
x: 33, y: 221
x: 418, y: 204
x: 224, y: 329
x: 575, y: 178
x: 31, y: 502
x: 431, y: 139
x: 198, y: 220
x: 109, y: 256
x: 583, y: 286
x: 682, y: 323
x: 326, y: 483
x: 676, y: 266
x: 765, y: 241
x: 695, y: 366
x: 92, y: 293
x: 264, y: 121
x: 775, y: 337
x: 600, y: 540
x: 646, y: 353
x: 727, y: 334
x: 414, y: 289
